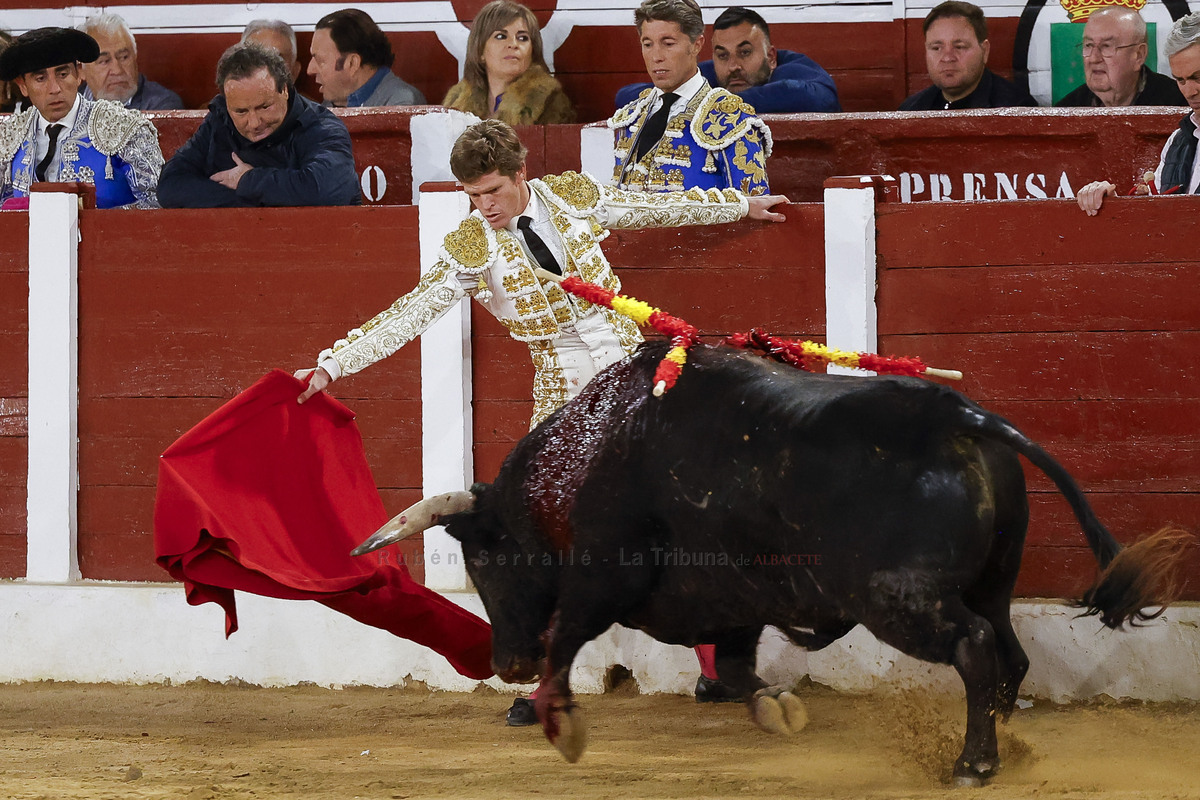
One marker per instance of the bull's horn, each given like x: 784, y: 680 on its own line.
x: 416, y: 518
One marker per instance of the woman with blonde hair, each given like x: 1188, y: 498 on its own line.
x: 506, y: 76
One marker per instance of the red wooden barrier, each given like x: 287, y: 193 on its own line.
x: 14, y: 390
x: 168, y: 333
x: 1079, y: 330
x: 1082, y: 331
x: 969, y: 155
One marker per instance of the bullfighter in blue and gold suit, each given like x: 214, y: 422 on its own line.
x: 681, y: 133
x: 712, y: 141
x: 66, y: 137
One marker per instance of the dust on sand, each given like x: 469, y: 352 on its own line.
x: 212, y: 742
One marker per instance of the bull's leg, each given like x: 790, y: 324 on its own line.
x: 975, y: 660
x: 562, y: 721
x: 918, y: 617
x: 991, y: 598
x: 1012, y: 661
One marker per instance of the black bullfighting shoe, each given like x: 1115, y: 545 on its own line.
x: 521, y: 714
x: 710, y: 690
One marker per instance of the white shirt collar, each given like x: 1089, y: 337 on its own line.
x: 532, y: 210
x: 686, y: 91
x: 68, y: 121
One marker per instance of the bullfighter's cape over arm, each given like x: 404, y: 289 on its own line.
x: 489, y: 265
x: 268, y: 496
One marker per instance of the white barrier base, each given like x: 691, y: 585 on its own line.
x: 94, y: 632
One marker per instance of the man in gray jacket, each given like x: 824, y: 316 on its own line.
x: 352, y: 59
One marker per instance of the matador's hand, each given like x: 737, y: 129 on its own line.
x: 761, y: 205
x: 316, y: 383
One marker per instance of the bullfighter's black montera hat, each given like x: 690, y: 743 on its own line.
x: 46, y: 47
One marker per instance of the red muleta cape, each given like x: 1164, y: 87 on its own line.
x: 268, y: 496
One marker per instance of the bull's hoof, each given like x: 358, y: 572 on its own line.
x: 777, y: 710
x: 973, y: 776
x: 571, y: 739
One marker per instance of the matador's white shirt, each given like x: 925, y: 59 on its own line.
x: 490, y: 265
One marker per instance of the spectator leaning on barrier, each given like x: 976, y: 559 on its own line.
x: 956, y: 54
x: 115, y: 75
x: 1114, y: 64
x: 67, y: 137
x: 352, y: 60
x: 277, y: 34
x: 746, y: 63
x: 262, y: 144
x: 1177, y: 166
x: 681, y: 132
x: 505, y: 76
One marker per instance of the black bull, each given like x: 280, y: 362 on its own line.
x: 754, y: 494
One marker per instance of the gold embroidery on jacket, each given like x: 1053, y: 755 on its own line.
x: 468, y: 244
x: 549, y: 382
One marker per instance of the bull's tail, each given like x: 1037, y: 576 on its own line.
x: 1136, y: 583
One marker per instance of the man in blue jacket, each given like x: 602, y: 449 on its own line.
x: 773, y: 81
x: 744, y: 62
x: 262, y: 144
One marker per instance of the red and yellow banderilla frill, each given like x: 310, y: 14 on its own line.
x: 804, y: 355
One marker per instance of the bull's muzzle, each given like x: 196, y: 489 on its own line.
x: 416, y: 518
x: 518, y: 670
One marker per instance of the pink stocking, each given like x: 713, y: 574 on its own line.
x: 706, y: 654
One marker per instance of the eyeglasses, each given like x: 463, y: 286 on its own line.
x: 1106, y: 50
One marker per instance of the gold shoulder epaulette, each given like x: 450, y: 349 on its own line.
x: 722, y: 118
x: 470, y: 246
x: 577, y: 193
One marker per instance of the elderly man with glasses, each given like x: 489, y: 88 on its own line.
x: 1114, y: 65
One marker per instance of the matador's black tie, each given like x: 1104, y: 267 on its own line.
x: 541, y: 252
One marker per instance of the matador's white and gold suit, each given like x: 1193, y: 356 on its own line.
x: 491, y: 266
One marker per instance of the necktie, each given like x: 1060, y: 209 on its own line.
x: 655, y: 126
x: 539, y: 249
x: 53, y: 131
